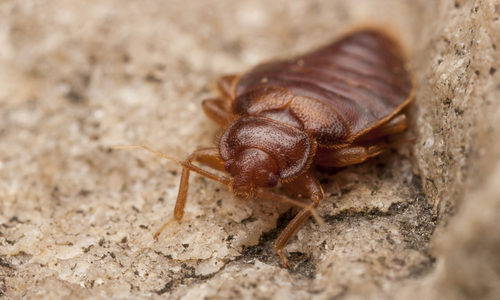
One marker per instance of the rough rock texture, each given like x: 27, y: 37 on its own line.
x: 77, y: 217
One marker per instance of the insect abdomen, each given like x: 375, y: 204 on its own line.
x: 362, y: 80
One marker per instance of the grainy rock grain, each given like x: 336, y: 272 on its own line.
x: 77, y: 217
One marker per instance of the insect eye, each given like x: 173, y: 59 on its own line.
x: 273, y: 180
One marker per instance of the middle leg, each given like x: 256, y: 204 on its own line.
x: 351, y: 155
x: 369, y: 145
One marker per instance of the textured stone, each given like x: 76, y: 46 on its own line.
x: 77, y: 217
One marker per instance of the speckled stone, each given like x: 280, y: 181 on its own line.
x: 77, y: 217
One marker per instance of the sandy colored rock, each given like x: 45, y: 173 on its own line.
x: 77, y: 217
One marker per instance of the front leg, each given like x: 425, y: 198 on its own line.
x: 306, y: 186
x: 207, y: 156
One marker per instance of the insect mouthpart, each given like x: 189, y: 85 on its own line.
x: 252, y: 168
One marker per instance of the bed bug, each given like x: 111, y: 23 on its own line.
x: 331, y: 107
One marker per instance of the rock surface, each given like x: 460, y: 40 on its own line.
x: 77, y: 217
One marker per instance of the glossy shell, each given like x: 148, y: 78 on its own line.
x: 336, y: 93
x: 289, y: 146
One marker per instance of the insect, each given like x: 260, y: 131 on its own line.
x: 332, y: 107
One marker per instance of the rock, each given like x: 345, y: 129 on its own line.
x: 78, y: 217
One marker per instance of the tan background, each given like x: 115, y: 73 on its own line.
x: 76, y: 218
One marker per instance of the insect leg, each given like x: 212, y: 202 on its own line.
x: 217, y: 110
x: 207, y: 156
x: 350, y: 155
x: 308, y: 186
x: 226, y: 85
x: 268, y: 195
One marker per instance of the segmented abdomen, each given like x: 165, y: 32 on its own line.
x: 362, y: 78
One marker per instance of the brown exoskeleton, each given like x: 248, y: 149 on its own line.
x: 331, y: 107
